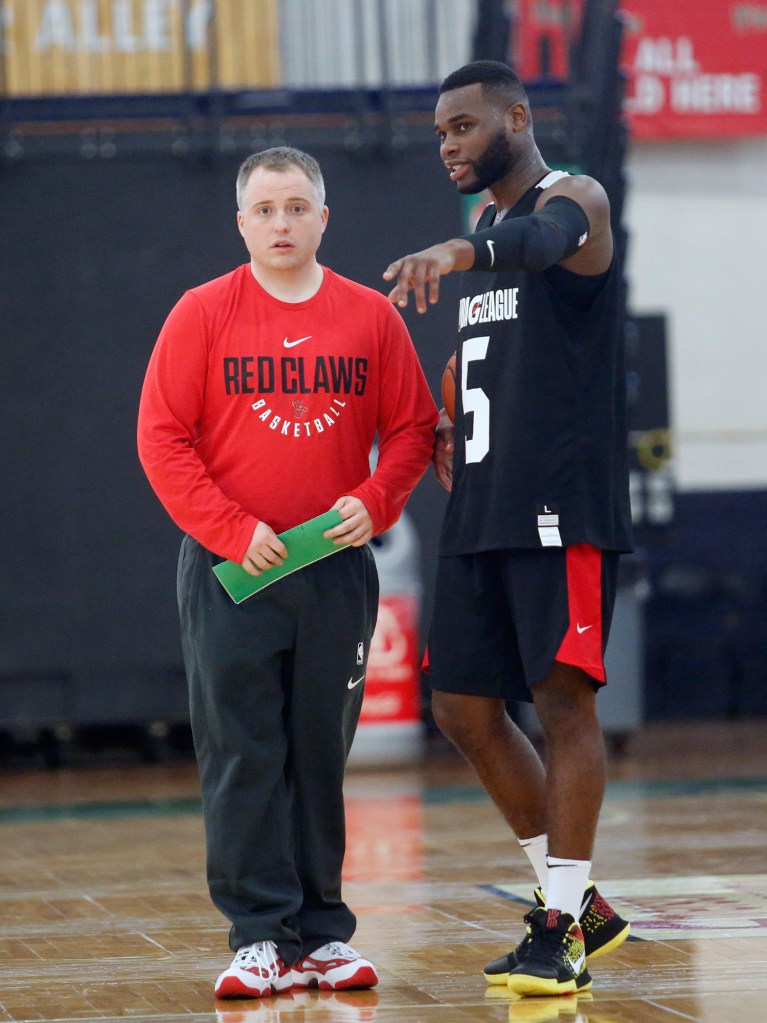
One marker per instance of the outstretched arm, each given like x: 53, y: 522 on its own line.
x: 422, y: 269
x: 570, y: 225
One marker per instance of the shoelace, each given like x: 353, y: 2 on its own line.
x: 262, y: 955
x: 547, y: 941
x: 340, y: 950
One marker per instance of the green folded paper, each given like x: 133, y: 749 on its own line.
x: 305, y: 544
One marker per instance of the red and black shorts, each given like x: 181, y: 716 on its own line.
x: 501, y: 618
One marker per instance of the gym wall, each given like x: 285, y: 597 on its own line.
x: 94, y: 256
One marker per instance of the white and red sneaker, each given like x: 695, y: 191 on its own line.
x: 333, y: 967
x: 256, y: 971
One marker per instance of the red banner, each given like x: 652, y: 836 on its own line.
x: 392, y: 684
x: 540, y: 34
x: 695, y: 70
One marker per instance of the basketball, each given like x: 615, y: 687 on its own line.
x: 448, y: 388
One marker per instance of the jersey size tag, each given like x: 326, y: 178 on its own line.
x: 548, y: 526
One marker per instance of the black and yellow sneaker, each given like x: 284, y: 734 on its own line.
x: 603, y: 931
x: 498, y: 971
x: 555, y: 958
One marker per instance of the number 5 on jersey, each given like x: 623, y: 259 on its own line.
x: 475, y: 400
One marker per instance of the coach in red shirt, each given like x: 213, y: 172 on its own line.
x: 261, y: 404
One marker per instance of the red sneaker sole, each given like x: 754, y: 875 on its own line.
x: 233, y: 988
x: 363, y: 978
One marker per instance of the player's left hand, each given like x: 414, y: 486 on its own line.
x: 423, y: 269
x: 357, y: 527
x: 444, y: 448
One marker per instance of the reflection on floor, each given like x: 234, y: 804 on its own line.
x: 105, y: 913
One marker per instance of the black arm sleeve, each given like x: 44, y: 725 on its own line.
x: 535, y: 242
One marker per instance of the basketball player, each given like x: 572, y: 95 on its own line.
x: 260, y: 406
x: 538, y: 509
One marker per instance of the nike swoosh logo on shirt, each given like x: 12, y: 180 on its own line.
x: 491, y: 246
x: 582, y: 628
x: 352, y: 683
x: 292, y: 344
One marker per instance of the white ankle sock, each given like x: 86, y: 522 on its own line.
x: 536, y: 849
x: 567, y: 880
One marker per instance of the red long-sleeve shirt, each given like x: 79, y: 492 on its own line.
x: 257, y: 409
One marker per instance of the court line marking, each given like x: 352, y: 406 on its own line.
x: 690, y: 907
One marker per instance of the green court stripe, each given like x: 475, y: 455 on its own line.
x: 681, y: 787
x: 99, y: 811
x: 435, y: 796
x: 619, y: 790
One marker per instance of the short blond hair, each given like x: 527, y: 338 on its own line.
x: 280, y: 158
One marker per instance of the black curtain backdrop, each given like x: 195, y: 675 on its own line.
x: 93, y: 257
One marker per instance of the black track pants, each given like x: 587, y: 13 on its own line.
x: 275, y: 694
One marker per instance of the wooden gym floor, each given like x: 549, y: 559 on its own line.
x: 105, y: 916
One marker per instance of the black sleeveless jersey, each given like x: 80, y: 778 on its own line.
x: 540, y: 423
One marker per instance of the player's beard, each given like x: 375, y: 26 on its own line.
x: 494, y: 164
